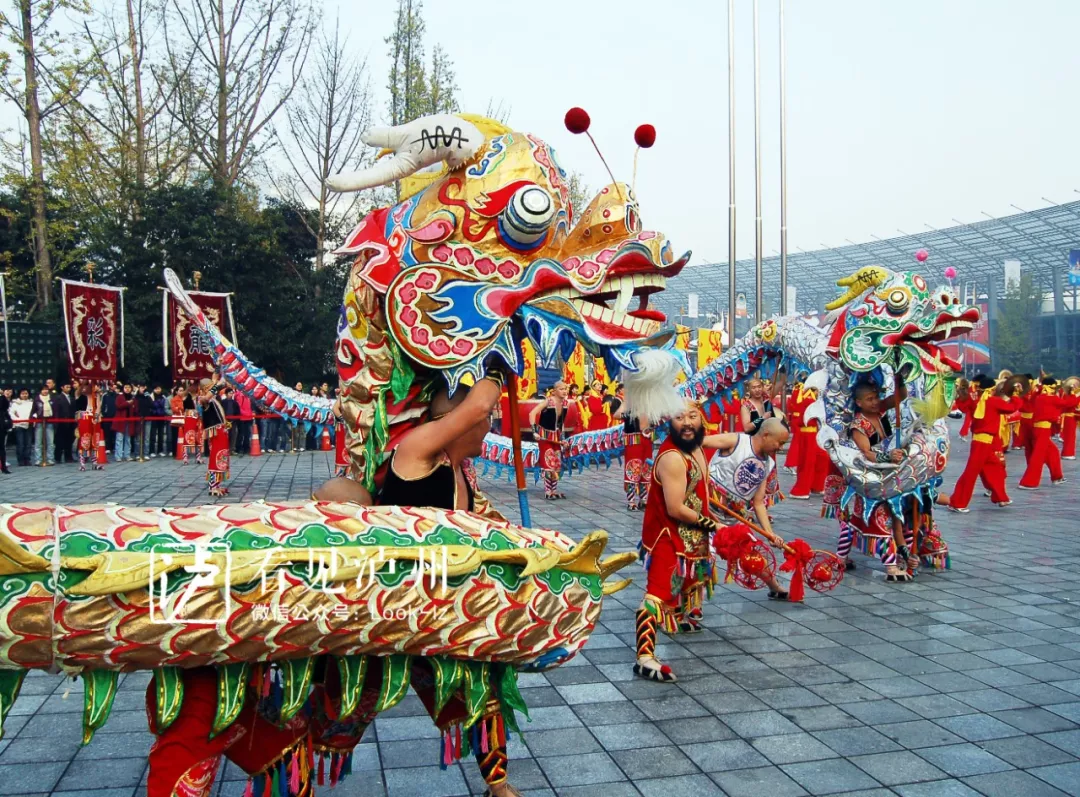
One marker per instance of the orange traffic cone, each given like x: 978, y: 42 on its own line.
x: 180, y: 441
x: 256, y: 446
x: 324, y: 444
x: 102, y: 457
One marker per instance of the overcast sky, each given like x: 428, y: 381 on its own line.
x: 899, y: 113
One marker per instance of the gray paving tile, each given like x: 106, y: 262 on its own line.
x: 1011, y: 784
x: 1025, y: 752
x: 792, y: 748
x: 649, y: 762
x: 857, y: 741
x: 891, y: 769
x: 722, y: 756
x: 936, y: 788
x: 963, y: 760
x: 1035, y: 720
x: 829, y: 776
x: 919, y: 733
x: 685, y: 786
x: 978, y: 727
x: 588, y: 769
x: 1065, y: 776
x: 769, y: 781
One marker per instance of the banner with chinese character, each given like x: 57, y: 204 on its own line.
x: 600, y: 372
x: 710, y: 344
x: 575, y: 368
x: 190, y: 351
x: 94, y: 329
x: 527, y: 380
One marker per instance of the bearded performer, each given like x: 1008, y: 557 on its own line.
x: 739, y: 472
x: 813, y: 463
x: 548, y: 419
x: 88, y: 415
x: 1071, y: 389
x: 637, y: 473
x: 675, y: 542
x: 1046, y: 408
x: 216, y: 428
x: 989, y: 427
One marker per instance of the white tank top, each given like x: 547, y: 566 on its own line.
x: 740, y: 473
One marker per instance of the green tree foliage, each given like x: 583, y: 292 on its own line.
x: 1014, y: 338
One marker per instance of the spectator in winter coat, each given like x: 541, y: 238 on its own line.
x: 44, y: 432
x: 108, y: 410
x: 243, y: 426
x: 5, y: 428
x: 124, y: 424
x: 20, y: 413
x: 64, y: 409
x: 159, y: 413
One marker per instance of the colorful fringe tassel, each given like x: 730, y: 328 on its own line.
x: 292, y: 773
x: 486, y: 735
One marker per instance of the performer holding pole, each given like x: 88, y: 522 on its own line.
x: 216, y: 428
x: 519, y: 460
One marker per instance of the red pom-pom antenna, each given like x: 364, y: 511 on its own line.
x: 577, y: 121
x: 645, y: 136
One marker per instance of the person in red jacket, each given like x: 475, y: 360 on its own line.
x: 1025, y: 434
x: 965, y: 401
x: 986, y: 460
x: 813, y: 462
x: 1047, y: 407
x: 795, y: 409
x: 1071, y: 389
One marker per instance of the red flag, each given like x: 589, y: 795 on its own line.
x: 94, y: 327
x: 190, y: 350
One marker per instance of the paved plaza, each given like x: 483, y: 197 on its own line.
x: 965, y: 682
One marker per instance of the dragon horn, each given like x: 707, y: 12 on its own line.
x: 866, y: 277
x: 416, y: 145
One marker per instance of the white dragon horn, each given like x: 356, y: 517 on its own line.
x: 415, y: 145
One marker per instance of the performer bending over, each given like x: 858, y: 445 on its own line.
x: 547, y: 419
x: 740, y: 472
x: 989, y: 428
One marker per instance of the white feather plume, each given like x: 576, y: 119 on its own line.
x: 650, y: 390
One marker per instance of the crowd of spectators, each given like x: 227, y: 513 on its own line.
x: 138, y: 421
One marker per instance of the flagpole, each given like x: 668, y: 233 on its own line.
x: 784, y: 309
x: 731, y: 171
x: 759, y: 312
x: 519, y: 460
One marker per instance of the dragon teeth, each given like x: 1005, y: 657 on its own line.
x: 626, y: 293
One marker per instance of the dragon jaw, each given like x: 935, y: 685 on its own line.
x: 920, y: 343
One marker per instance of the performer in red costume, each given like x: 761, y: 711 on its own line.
x: 795, y: 409
x: 965, y: 402
x: 813, y: 463
x: 679, y: 561
x: 1025, y: 437
x: 88, y: 413
x: 217, y: 433
x: 1047, y: 407
x: 1071, y: 389
x: 594, y: 410
x: 637, y: 472
x: 548, y: 419
x: 989, y: 427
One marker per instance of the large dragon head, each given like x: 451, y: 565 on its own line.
x: 483, y: 250
x: 895, y: 319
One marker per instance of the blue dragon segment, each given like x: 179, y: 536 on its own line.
x: 245, y: 376
x: 580, y: 451
x: 792, y: 343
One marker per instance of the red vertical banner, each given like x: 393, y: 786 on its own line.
x: 190, y: 351
x: 94, y: 329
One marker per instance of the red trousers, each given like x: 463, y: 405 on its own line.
x: 1043, y: 453
x: 985, y: 461
x: 1068, y: 436
x: 813, y: 465
x: 794, y: 452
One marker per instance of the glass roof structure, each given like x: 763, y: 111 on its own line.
x: 1039, y: 239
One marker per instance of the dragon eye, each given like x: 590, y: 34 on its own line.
x: 946, y: 300
x: 528, y: 215
x: 897, y: 300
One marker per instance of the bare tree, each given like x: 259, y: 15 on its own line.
x: 48, y: 83
x: 234, y: 64
x: 119, y: 138
x: 324, y: 121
